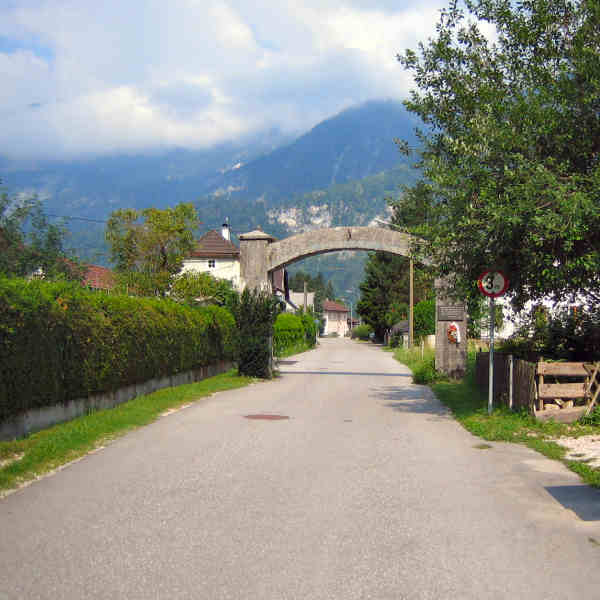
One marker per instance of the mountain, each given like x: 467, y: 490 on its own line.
x: 338, y: 173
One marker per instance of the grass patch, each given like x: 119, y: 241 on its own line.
x: 295, y: 349
x: 421, y: 362
x: 27, y: 458
x: 469, y: 405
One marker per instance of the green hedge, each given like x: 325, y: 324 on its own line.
x: 288, y: 332
x: 294, y: 333
x: 59, y: 342
x: 361, y: 332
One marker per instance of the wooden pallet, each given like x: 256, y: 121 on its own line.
x: 593, y: 389
x: 562, y: 394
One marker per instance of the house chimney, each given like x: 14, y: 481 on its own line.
x: 225, y: 230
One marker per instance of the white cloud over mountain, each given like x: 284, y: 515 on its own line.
x: 87, y: 77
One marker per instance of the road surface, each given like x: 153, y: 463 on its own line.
x: 369, y: 490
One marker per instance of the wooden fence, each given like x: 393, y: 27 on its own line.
x: 523, y: 380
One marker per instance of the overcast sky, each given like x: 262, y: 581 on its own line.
x: 102, y: 76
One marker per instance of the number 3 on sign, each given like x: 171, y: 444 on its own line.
x: 493, y: 284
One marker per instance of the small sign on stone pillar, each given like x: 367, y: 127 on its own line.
x: 450, y: 331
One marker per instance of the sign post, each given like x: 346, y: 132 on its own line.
x: 492, y: 284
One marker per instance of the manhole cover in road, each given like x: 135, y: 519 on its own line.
x: 263, y: 417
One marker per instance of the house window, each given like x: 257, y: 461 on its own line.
x: 211, y: 263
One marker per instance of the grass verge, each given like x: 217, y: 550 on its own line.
x: 469, y: 405
x: 28, y: 458
x: 295, y: 349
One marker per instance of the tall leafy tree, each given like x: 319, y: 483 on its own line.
x: 29, y: 242
x: 148, y: 246
x: 511, y: 150
x: 385, y: 290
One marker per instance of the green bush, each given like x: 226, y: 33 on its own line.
x: 254, y: 313
x: 59, y: 341
x: 566, y: 335
x: 288, y: 332
x: 294, y: 333
x: 310, y: 328
x: 361, y: 332
x: 395, y: 340
x: 424, y: 318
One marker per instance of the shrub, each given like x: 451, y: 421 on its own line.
x: 255, y: 313
x: 395, y: 340
x: 424, y: 318
x: 288, y: 332
x: 59, y: 342
x: 562, y: 336
x: 310, y: 328
x: 362, y: 332
x: 294, y: 333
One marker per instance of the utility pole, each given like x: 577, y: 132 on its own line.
x: 411, y: 302
x: 305, y: 297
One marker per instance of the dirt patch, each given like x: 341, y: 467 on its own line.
x: 4, y: 462
x: 585, y: 449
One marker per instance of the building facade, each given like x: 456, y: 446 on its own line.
x: 216, y: 254
x: 336, y: 317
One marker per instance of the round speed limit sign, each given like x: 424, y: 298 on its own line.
x: 493, y: 283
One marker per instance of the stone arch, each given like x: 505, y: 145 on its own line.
x: 319, y: 241
x: 261, y: 254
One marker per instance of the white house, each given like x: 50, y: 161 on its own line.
x: 336, y: 318
x: 215, y: 254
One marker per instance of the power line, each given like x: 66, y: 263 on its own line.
x: 76, y: 218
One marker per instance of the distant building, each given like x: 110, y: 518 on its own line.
x: 336, y: 317
x: 93, y: 277
x: 217, y: 255
x: 296, y: 301
x: 98, y: 278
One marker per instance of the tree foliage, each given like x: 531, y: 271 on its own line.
x: 562, y: 335
x: 196, y: 289
x: 148, y: 246
x: 385, y: 290
x: 29, y: 242
x: 424, y: 316
x: 510, y: 156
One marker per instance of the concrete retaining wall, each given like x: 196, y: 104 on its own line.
x: 40, y: 418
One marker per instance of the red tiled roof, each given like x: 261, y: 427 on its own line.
x: 213, y: 245
x: 98, y: 278
x: 332, y: 306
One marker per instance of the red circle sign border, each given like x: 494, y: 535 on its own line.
x: 497, y: 294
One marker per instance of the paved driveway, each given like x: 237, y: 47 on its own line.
x: 368, y: 490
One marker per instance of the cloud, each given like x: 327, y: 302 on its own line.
x: 82, y: 77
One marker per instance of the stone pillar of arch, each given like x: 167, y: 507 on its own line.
x: 253, y: 259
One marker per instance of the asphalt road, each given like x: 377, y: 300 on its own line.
x: 368, y: 490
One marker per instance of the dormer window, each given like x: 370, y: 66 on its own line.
x: 211, y: 263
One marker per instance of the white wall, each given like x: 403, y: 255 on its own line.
x: 335, y: 322
x: 225, y: 268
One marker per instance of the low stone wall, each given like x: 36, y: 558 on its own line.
x: 40, y: 418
